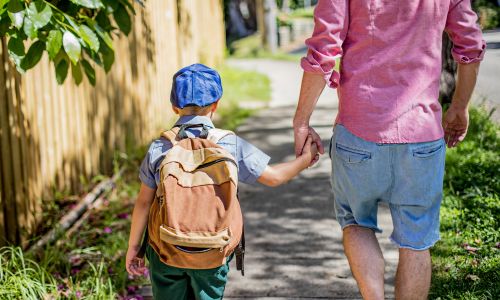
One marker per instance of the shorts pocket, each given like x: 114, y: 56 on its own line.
x: 428, y: 151
x: 351, y: 155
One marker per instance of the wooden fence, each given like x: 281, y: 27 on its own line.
x: 52, y: 135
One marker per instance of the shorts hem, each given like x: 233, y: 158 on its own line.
x: 426, y: 247
x: 376, y: 229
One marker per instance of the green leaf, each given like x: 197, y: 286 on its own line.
x: 29, y: 29
x: 90, y: 38
x: 4, y: 26
x: 62, y: 71
x: 108, y: 58
x: 39, y: 13
x: 89, y: 71
x: 122, y: 19
x: 33, y: 56
x: 111, y: 5
x: 3, y: 2
x: 72, y: 46
x: 17, y: 19
x: 88, y: 3
x: 15, y: 6
x: 16, y: 50
x: 103, y: 20
x: 104, y: 36
x: 76, y: 71
x: 54, y: 43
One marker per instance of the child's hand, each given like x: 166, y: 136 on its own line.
x: 134, y: 264
x: 310, y: 151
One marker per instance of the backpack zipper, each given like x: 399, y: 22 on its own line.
x: 215, y: 162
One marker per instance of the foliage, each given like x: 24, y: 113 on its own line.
x: 489, y: 13
x: 467, y: 260
x: 73, y: 33
x: 22, y: 278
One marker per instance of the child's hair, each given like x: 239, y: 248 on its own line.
x: 195, y: 110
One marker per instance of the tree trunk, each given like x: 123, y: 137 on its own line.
x: 449, y: 69
x: 266, y: 20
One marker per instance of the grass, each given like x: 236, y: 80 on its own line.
x: 90, y: 264
x: 251, y: 47
x: 240, y: 86
x: 467, y: 259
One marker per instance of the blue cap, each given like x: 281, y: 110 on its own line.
x: 195, y: 85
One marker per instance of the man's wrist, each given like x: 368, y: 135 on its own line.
x: 460, y: 104
x: 301, y: 123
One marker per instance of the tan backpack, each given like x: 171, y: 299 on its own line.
x: 195, y: 221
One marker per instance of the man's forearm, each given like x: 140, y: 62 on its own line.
x: 466, y: 81
x: 311, y: 88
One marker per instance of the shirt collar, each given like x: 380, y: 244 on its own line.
x: 193, y: 119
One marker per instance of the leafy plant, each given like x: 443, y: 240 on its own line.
x: 467, y: 259
x: 76, y: 34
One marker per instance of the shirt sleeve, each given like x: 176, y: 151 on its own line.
x: 464, y: 32
x: 251, y: 161
x: 146, y: 172
x: 331, y: 21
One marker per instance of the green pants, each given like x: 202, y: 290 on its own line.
x: 185, y: 284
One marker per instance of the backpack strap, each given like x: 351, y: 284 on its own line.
x: 215, y: 134
x: 171, y: 135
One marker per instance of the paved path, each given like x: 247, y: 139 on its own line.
x: 488, y: 83
x: 294, y: 248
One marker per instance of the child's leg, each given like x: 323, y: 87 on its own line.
x: 209, y: 284
x: 168, y: 282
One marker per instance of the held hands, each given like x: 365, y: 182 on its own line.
x: 455, y: 124
x: 134, y: 264
x: 308, y: 142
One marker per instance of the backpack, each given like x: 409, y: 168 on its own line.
x: 195, y: 221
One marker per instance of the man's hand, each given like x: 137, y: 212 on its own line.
x: 134, y: 264
x: 301, y: 134
x: 455, y: 124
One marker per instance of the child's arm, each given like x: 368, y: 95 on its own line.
x: 134, y: 264
x: 278, y: 174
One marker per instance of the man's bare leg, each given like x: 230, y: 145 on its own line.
x: 413, y: 278
x: 366, y: 260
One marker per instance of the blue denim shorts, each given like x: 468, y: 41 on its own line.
x: 408, y: 177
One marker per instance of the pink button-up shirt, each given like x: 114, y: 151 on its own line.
x: 388, y: 84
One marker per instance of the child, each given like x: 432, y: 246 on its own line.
x: 196, y: 91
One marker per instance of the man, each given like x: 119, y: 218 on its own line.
x: 389, y: 138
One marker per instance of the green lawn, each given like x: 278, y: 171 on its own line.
x: 467, y: 260
x: 240, y: 86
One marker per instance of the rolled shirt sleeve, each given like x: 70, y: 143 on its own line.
x: 331, y: 21
x: 464, y: 32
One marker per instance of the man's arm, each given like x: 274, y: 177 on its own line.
x: 456, y: 119
x: 468, y: 51
x: 310, y: 90
x: 331, y: 22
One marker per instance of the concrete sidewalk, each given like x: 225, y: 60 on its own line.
x: 294, y: 248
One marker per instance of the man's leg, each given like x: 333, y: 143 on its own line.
x: 366, y: 260
x: 413, y: 277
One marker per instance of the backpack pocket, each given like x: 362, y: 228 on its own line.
x: 195, y: 239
